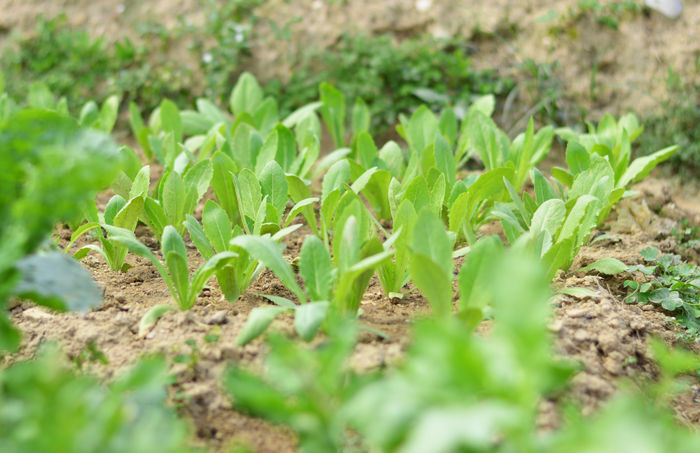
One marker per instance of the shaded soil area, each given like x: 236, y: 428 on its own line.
x: 605, y: 335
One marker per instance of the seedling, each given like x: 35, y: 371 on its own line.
x: 185, y: 288
x: 213, y: 236
x: 118, y: 213
x: 611, y: 140
x: 339, y: 287
x: 176, y: 196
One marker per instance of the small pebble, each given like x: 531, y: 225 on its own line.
x: 37, y: 314
x: 218, y: 318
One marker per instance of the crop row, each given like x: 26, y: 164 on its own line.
x: 261, y: 171
x: 402, y: 213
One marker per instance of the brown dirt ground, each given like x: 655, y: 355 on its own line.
x: 606, y: 335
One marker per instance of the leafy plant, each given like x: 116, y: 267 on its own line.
x: 430, y: 262
x: 51, y: 169
x: 676, y: 122
x: 118, y: 213
x: 185, y: 288
x: 338, y: 284
x: 48, y: 407
x: 386, y: 412
x: 671, y: 283
x: 213, y: 236
x: 436, y: 72
x: 175, y: 196
x: 304, y: 388
x: 613, y: 141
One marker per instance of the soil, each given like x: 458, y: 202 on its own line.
x: 607, y: 336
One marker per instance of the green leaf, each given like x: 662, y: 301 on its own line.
x: 279, y: 146
x: 431, y: 240
x: 151, y: 318
x: 608, y: 266
x: 246, y: 95
x: 156, y: 215
x: 222, y: 183
x: 315, y: 268
x: 217, y: 226
x: 141, y: 183
x: 273, y: 183
x: 333, y: 112
x: 299, y: 114
x: 114, y: 205
x: 335, y: 178
x: 559, y: 256
x: 392, y: 155
x: 642, y: 166
x: 258, y: 320
x: 269, y: 253
x: 365, y: 149
x: 308, y: 318
x: 57, y: 281
x: 171, y: 241
x: 360, y: 116
x: 543, y: 188
x: 266, y: 115
x: 279, y: 301
x: 249, y: 196
x: 474, y: 281
x: 170, y: 120
x: 577, y: 158
x: 197, y: 179
x: 432, y: 281
x: 298, y: 208
x: 485, y: 104
x: 444, y: 160
x: 482, y: 133
x: 180, y: 276
x: 81, y: 230
x: 575, y: 217
x: 422, y: 129
x: 207, y: 270
x: 199, y: 237
x: 247, y: 147
x: 329, y: 160
x: 129, y: 215
x: 108, y: 114
x: 431, y: 262
x: 563, y: 176
x: 353, y: 280
x: 173, y: 198
x: 548, y: 217
x: 448, y: 125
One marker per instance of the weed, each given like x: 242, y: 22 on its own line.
x: 91, y: 353
x: 671, y: 283
x: 687, y: 236
x: 678, y: 123
x: 391, y: 76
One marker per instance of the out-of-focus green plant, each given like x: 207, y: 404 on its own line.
x: 45, y: 406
